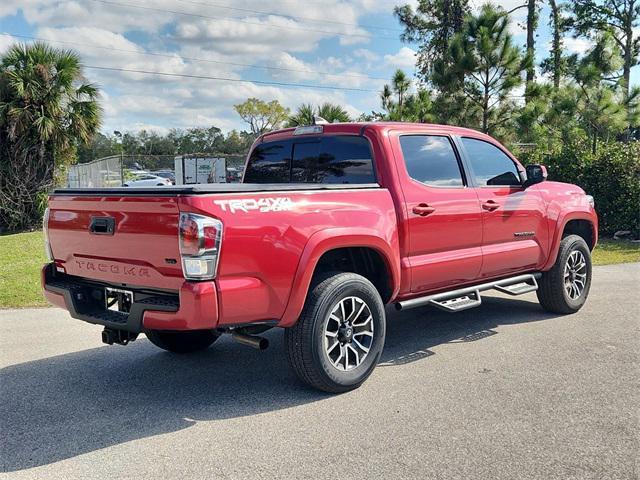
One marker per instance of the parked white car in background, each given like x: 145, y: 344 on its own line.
x: 147, y: 180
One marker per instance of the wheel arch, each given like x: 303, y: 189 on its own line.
x: 328, y: 247
x: 576, y: 223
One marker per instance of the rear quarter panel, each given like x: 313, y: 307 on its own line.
x: 272, y: 241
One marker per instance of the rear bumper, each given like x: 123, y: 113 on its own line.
x: 193, y: 307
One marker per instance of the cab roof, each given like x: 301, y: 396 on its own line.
x: 358, y: 128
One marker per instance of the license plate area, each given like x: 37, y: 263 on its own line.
x: 118, y: 300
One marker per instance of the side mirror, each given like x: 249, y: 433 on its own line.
x: 535, y: 174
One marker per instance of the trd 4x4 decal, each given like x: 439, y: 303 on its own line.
x: 277, y: 204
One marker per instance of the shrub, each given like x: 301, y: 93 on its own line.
x: 611, y: 175
x: 613, y: 178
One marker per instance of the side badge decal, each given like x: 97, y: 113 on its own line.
x: 276, y: 204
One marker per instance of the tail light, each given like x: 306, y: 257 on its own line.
x: 45, y: 231
x: 200, y: 239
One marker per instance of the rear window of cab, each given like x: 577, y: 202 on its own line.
x: 327, y: 159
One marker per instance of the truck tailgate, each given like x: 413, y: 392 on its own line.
x: 142, y: 249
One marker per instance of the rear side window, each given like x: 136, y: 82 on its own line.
x: 431, y: 159
x: 341, y: 159
x: 269, y: 163
x: 491, y: 166
x: 337, y: 159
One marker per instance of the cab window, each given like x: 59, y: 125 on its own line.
x: 431, y: 159
x: 491, y: 166
x: 336, y: 159
x: 333, y: 159
x: 269, y: 163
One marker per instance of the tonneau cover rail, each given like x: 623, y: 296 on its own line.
x: 208, y: 188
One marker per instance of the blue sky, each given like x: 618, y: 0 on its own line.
x: 330, y: 43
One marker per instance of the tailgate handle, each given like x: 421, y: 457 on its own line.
x: 102, y: 225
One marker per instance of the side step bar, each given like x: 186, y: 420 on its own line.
x: 469, y: 297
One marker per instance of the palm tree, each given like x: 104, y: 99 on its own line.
x: 306, y: 113
x: 385, y: 97
x: 420, y: 107
x: 46, y: 110
x: 333, y: 113
x: 400, y: 84
x: 303, y: 116
x: 410, y: 107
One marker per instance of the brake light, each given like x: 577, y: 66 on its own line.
x: 210, y: 237
x: 45, y: 231
x: 189, y: 235
x: 200, y: 239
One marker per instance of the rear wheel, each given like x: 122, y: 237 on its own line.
x: 564, y: 288
x: 338, y: 339
x: 182, y: 342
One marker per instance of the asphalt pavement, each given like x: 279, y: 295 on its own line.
x: 503, y: 391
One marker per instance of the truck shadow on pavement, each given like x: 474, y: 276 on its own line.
x: 60, y: 407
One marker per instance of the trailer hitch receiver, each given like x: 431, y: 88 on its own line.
x: 121, y: 337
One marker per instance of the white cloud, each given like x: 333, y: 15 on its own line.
x: 577, y: 45
x: 405, y: 58
x: 327, y: 71
x: 153, y: 39
x: 517, y: 28
x: 5, y: 42
x: 365, y: 54
x: 229, y: 36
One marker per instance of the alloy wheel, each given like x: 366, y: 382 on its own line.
x: 348, y: 333
x: 575, y: 274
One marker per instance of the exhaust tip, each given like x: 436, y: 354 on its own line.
x: 253, y: 341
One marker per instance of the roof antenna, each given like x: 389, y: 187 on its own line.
x: 317, y: 120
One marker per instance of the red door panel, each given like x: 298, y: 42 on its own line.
x: 514, y: 230
x: 514, y: 227
x: 445, y: 222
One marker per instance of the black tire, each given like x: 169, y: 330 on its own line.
x: 182, y: 342
x: 305, y: 341
x: 552, y: 292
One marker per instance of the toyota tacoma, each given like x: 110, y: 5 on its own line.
x: 330, y: 223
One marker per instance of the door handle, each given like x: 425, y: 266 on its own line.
x: 490, y: 205
x: 423, y: 209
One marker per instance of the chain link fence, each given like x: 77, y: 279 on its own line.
x: 105, y: 172
x: 114, y: 170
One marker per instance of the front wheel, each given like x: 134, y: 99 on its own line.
x: 338, y: 339
x: 182, y: 342
x: 564, y: 288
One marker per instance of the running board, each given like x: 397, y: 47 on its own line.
x: 469, y: 297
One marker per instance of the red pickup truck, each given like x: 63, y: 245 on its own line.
x: 331, y: 223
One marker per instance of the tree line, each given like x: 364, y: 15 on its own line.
x: 471, y: 72
x: 574, y: 113
x: 176, y: 141
x: 577, y: 114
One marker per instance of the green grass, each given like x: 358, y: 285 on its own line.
x: 610, y: 251
x: 22, y: 256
